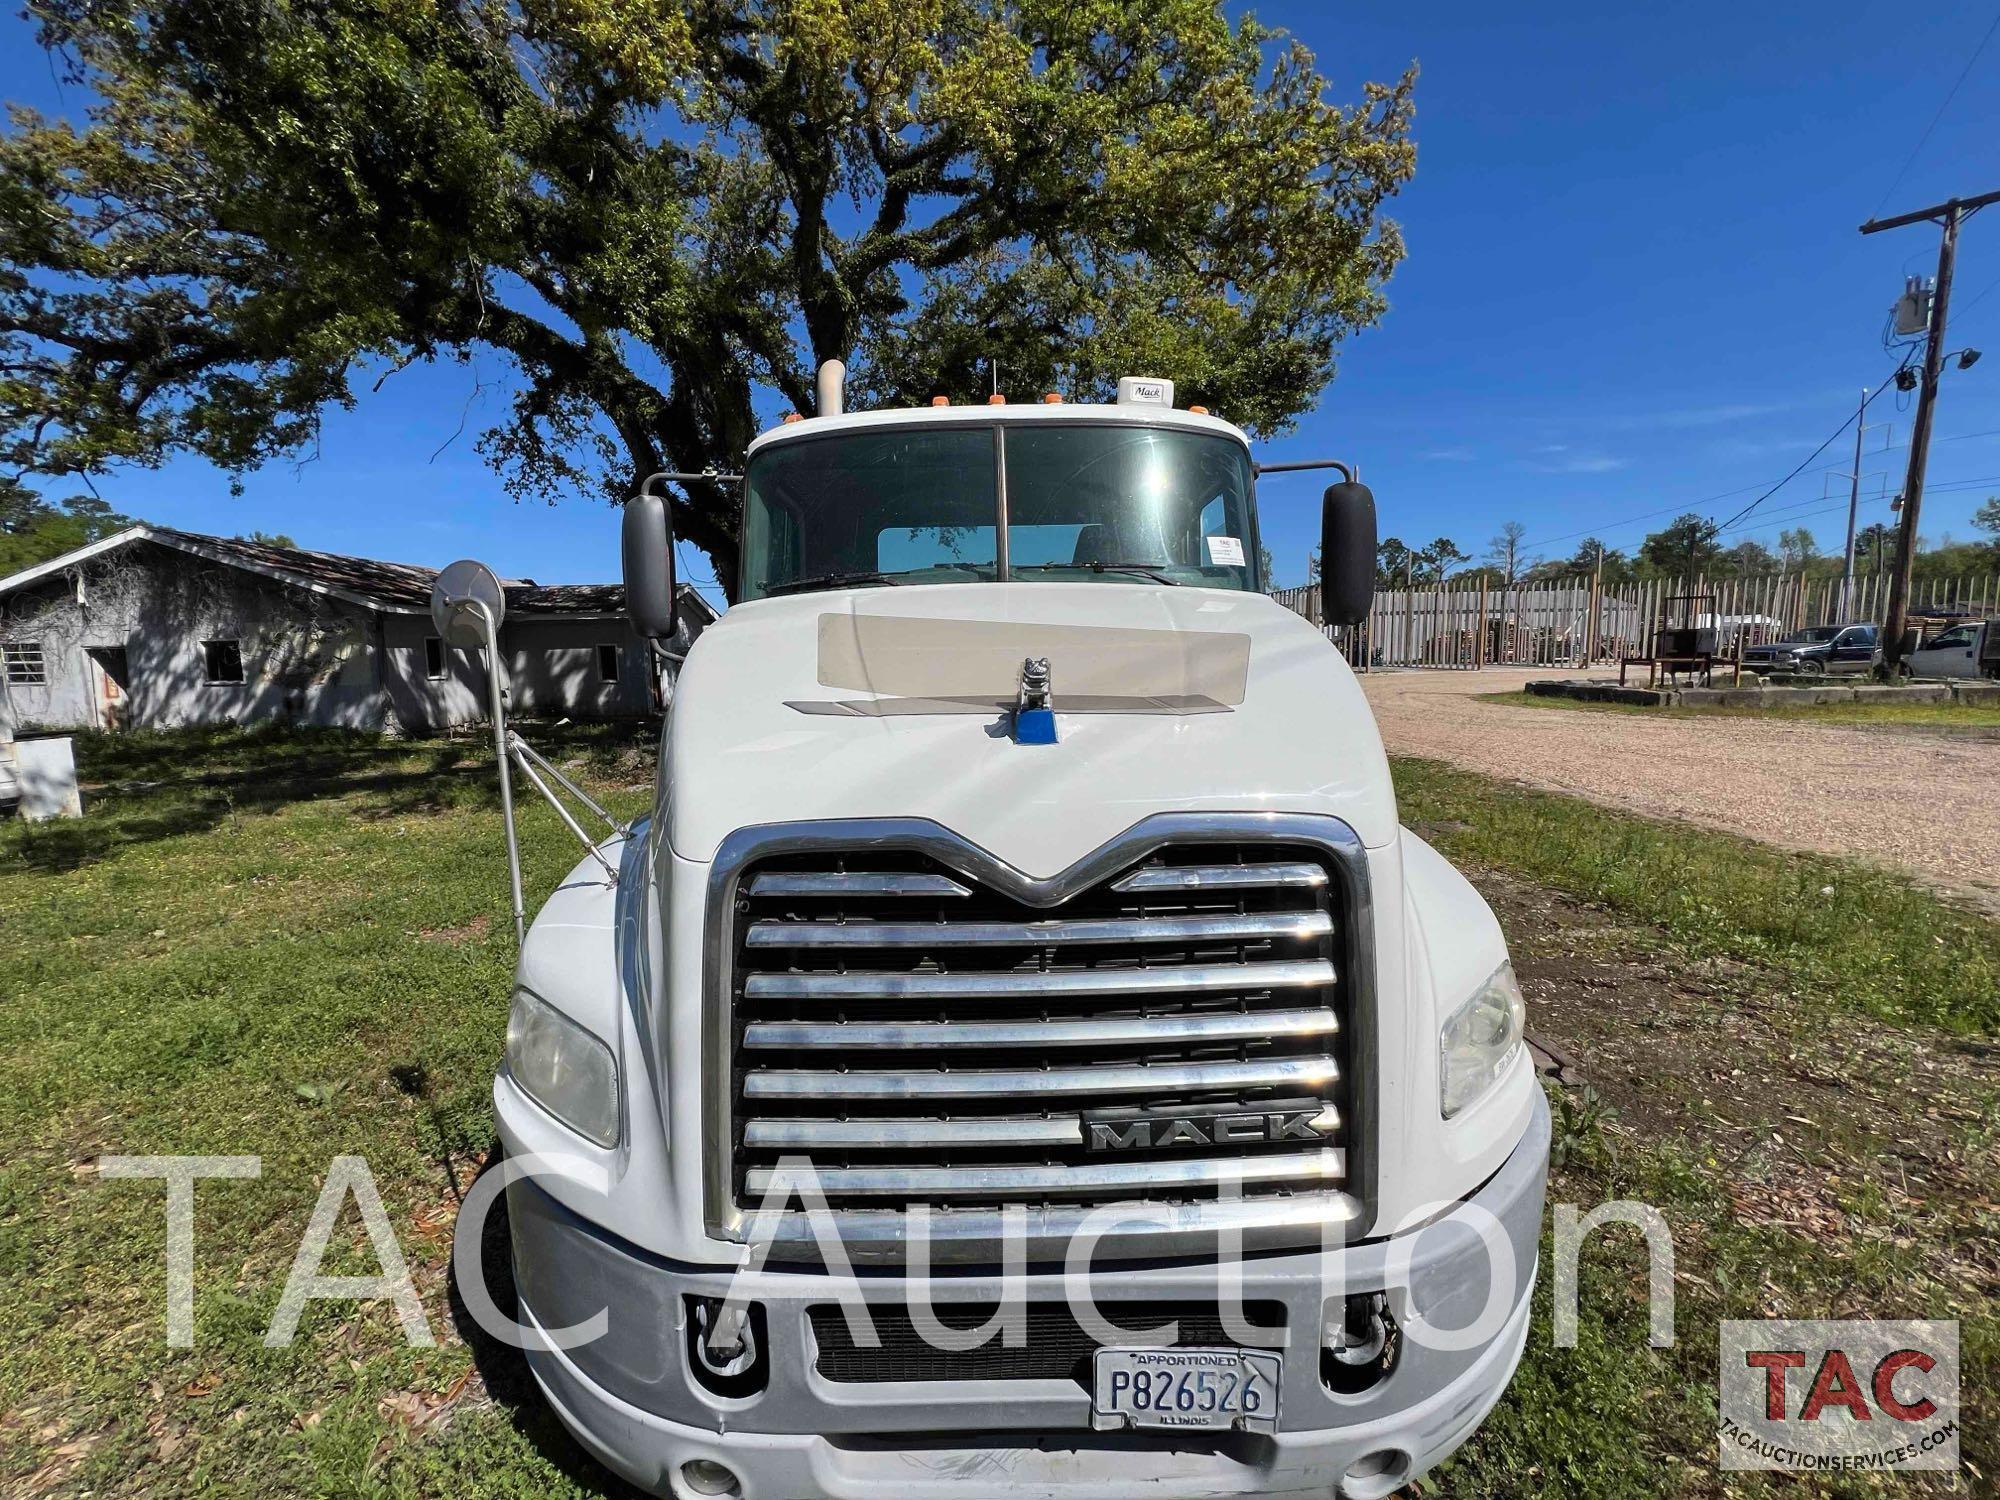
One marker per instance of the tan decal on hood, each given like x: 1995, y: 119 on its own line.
x: 895, y: 656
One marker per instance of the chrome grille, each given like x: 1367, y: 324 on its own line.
x: 922, y: 1036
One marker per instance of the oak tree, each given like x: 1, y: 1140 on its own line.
x: 664, y: 215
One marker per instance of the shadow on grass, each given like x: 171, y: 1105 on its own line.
x: 505, y: 1368
x: 117, y: 820
x: 162, y: 784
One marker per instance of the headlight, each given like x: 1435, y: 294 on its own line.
x: 563, y: 1068
x: 1479, y: 1040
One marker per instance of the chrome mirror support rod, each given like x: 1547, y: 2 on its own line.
x: 529, y: 758
x: 468, y: 605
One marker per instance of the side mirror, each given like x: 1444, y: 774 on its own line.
x: 465, y: 598
x: 648, y: 547
x: 1346, y: 553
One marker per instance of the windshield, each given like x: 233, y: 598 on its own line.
x: 1817, y: 635
x: 1115, y: 503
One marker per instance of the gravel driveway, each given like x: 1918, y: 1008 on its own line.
x: 1926, y: 802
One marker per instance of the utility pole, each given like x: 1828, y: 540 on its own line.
x: 1853, y: 506
x: 1950, y: 215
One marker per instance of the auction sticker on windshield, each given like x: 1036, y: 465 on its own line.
x: 1225, y: 551
x: 1220, y: 1388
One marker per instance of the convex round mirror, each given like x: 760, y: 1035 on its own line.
x: 459, y: 586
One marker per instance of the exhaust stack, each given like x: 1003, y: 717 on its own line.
x: 832, y: 375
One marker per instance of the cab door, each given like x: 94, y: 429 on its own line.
x: 1853, y: 650
x: 1953, y: 653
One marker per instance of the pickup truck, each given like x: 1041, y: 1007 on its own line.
x: 1022, y: 1053
x: 1971, y: 649
x: 1817, y: 651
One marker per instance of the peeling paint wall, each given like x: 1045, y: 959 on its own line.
x: 306, y: 658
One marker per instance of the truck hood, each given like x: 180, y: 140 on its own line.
x: 884, y: 703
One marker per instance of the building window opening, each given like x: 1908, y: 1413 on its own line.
x: 26, y: 666
x: 223, y: 660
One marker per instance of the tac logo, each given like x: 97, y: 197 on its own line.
x: 1837, y: 1397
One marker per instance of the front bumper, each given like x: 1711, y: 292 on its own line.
x: 631, y: 1398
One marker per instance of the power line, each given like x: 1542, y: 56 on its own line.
x: 1966, y: 484
x: 1605, y: 528
x: 1644, y: 515
x: 1834, y: 510
x: 1952, y: 94
x: 1728, y: 494
x: 1799, y: 510
x: 1968, y: 307
x: 1807, y: 462
x: 1825, y: 510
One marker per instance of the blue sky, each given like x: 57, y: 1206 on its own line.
x: 1634, y: 287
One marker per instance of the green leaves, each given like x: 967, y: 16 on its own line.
x: 663, y: 216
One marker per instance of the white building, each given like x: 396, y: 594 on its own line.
x: 156, y: 627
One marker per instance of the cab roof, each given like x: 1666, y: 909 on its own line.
x: 1012, y: 412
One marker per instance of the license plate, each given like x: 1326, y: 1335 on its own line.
x: 1218, y: 1388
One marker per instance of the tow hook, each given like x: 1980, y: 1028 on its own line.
x: 1360, y: 1346
x: 726, y: 1345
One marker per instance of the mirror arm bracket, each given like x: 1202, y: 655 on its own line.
x: 1346, y: 470
x: 671, y: 476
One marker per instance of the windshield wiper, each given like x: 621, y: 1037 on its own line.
x: 824, y: 581
x: 1142, y: 569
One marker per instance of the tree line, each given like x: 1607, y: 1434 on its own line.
x: 1686, y: 546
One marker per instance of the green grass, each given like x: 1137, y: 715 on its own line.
x: 1614, y: 1417
x: 303, y: 953
x: 296, y: 946
x: 1859, y: 939
x: 1920, y: 715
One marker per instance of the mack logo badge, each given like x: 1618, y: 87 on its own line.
x: 1204, y: 1130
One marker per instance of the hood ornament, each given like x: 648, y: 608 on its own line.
x: 1034, y: 710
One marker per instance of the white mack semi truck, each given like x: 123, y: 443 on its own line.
x: 1022, y: 1054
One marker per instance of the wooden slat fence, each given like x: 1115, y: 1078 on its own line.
x: 1574, y: 622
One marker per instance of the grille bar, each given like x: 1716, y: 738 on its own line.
x: 1226, y: 928
x: 899, y: 1134
x: 843, y: 883
x: 1317, y: 1168
x: 1056, y: 1130
x: 1129, y: 1030
x: 1143, y: 1078
x: 1220, y: 877
x: 1181, y: 979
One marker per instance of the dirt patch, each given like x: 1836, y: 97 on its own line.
x: 1824, y: 1124
x: 470, y: 932
x: 1920, y: 802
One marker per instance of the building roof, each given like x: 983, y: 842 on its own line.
x: 394, y: 588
